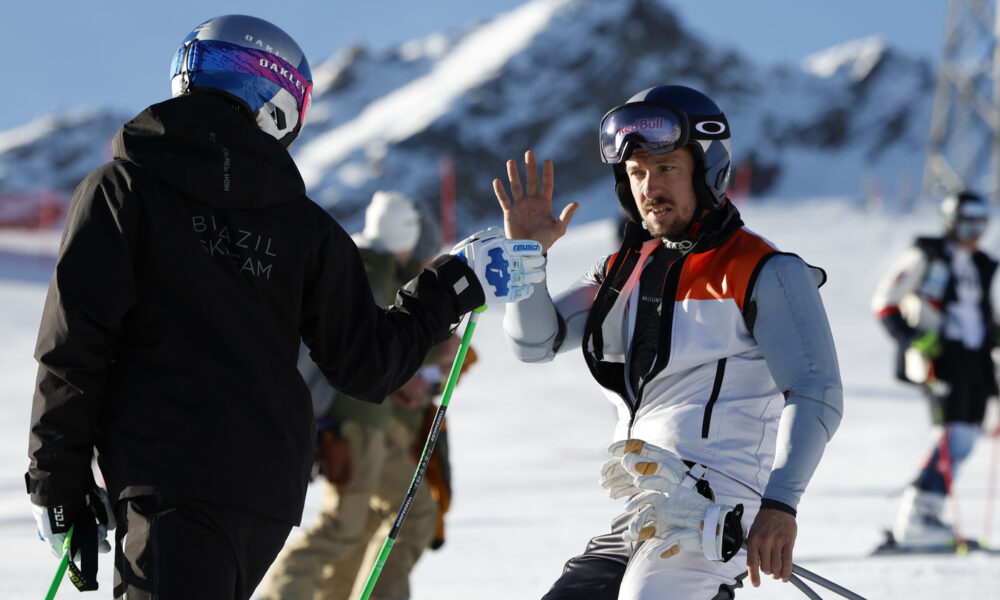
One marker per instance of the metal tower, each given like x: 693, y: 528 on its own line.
x: 964, y: 146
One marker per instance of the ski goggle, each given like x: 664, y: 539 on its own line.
x: 659, y: 128
x: 970, y: 227
x: 214, y: 56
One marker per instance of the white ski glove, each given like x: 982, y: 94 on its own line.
x: 505, y: 268
x: 667, y: 510
x: 636, y: 456
x: 54, y: 521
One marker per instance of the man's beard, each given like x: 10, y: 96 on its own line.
x: 674, y: 231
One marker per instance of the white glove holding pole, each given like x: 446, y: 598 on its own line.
x: 506, y: 269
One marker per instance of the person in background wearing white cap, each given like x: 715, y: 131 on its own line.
x: 363, y: 451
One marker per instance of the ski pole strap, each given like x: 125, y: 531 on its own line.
x: 694, y: 474
x: 84, y: 547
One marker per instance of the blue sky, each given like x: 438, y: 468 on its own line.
x: 61, y: 54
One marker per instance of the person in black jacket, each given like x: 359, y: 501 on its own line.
x: 191, y: 267
x: 935, y: 302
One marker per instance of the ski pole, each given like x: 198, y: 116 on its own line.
x: 805, y: 589
x: 63, y: 563
x: 425, y: 456
x: 833, y: 587
x: 809, y: 575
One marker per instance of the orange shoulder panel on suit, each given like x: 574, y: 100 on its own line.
x: 723, y: 272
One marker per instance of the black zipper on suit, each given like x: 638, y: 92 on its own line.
x: 720, y: 371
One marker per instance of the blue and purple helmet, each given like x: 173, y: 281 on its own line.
x: 251, y: 61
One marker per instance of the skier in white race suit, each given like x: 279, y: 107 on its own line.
x: 936, y: 303
x: 713, y: 345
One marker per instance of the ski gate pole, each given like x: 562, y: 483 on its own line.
x: 54, y: 586
x: 425, y: 456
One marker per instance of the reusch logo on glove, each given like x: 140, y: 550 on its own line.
x: 536, y: 247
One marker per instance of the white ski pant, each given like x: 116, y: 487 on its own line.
x: 690, y: 575
x: 611, y: 568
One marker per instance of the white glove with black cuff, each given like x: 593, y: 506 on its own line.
x: 667, y: 511
x: 505, y: 268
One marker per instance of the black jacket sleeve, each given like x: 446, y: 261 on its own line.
x: 91, y: 290
x: 365, y: 351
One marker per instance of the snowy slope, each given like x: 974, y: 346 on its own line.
x: 528, y: 440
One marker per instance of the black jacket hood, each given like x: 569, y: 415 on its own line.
x: 208, y: 149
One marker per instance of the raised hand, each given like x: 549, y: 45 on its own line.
x: 527, y: 212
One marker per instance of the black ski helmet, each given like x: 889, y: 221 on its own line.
x: 703, y: 129
x: 253, y: 62
x: 964, y: 215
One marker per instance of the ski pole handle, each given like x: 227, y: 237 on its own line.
x: 63, y: 563
x: 425, y: 456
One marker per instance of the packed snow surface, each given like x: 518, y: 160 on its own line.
x: 527, y: 441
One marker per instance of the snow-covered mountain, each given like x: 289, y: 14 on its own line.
x: 850, y: 119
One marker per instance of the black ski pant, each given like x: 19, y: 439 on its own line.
x: 971, y: 381
x: 174, y: 549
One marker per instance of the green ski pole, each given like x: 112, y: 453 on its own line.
x: 425, y: 457
x: 54, y: 586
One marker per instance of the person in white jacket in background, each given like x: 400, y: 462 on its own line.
x: 935, y: 302
x: 713, y: 345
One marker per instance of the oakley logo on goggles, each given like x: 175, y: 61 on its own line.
x: 214, y: 55
x: 658, y: 128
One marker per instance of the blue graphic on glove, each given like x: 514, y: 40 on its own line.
x: 497, y: 273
